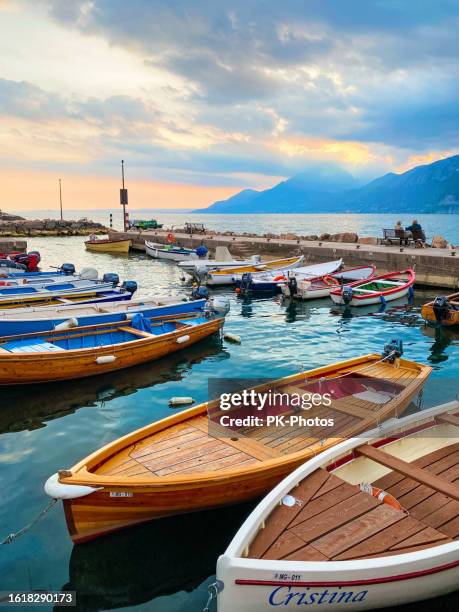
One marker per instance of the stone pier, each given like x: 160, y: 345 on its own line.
x: 434, y: 267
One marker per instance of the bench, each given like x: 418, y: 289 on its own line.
x: 403, y: 237
x: 195, y: 228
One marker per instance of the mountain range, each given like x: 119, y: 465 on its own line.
x: 430, y: 188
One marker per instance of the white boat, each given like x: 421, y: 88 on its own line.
x: 273, y: 281
x: 198, y: 268
x: 370, y: 523
x: 376, y: 290
x: 171, y: 252
x: 306, y: 287
x: 230, y: 276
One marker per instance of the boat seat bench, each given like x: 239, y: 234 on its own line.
x: 410, y: 471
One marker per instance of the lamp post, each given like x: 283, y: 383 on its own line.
x: 124, y: 198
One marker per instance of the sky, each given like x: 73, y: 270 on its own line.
x: 203, y: 98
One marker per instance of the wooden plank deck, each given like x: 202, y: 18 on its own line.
x: 333, y: 520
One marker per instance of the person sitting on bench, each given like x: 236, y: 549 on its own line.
x: 417, y: 232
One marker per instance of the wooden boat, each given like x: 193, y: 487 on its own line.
x: 304, y: 287
x: 273, y: 281
x: 108, y: 246
x: 46, y: 318
x: 229, y: 276
x: 58, y: 298
x: 95, y: 349
x: 370, y: 523
x: 443, y: 310
x: 171, y: 252
x: 379, y: 289
x: 184, y: 463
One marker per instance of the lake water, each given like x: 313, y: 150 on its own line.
x: 166, y: 566
x: 364, y: 225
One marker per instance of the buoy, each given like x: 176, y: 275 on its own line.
x: 180, y: 401
x: 182, y: 339
x: 232, y: 337
x: 238, y: 290
x: 68, y: 324
x: 103, y: 359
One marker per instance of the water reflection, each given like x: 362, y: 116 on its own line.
x: 160, y: 558
x: 443, y: 338
x: 28, y: 408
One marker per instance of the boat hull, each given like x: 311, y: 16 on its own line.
x: 365, y: 588
x: 232, y: 277
x: 11, y: 327
x: 28, y: 368
x: 123, y: 503
x: 109, y: 246
x: 384, y: 288
x: 448, y: 317
x: 369, y: 301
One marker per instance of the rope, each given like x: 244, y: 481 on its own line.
x: 12, y: 536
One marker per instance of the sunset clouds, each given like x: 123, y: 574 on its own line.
x: 221, y: 96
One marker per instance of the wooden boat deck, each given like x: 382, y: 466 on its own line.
x: 333, y: 520
x: 192, y: 446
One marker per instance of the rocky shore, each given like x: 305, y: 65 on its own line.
x: 17, y: 227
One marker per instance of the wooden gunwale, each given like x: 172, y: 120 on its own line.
x: 81, y: 473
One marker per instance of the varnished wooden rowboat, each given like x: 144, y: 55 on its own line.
x: 442, y: 310
x: 183, y: 464
x: 108, y: 246
x: 96, y: 349
x: 370, y: 523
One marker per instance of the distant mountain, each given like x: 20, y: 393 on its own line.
x: 424, y: 189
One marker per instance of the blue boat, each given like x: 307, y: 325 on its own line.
x: 47, y: 318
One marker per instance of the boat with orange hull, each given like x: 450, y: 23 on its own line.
x: 186, y: 462
x: 444, y: 310
x: 96, y: 349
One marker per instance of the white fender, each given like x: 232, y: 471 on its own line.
x: 58, y: 490
x: 182, y: 339
x: 180, y: 401
x: 103, y: 359
x: 68, y: 324
x: 232, y: 337
x: 130, y: 315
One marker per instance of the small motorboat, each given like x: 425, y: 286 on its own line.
x: 46, y: 318
x: 96, y: 349
x: 444, y: 310
x: 230, y: 276
x: 93, y: 293
x: 377, y: 290
x: 198, y: 269
x: 371, y: 523
x: 272, y: 282
x: 304, y: 287
x: 108, y: 245
x: 189, y: 462
x: 175, y: 252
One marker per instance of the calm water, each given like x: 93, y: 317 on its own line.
x: 364, y: 225
x: 167, y: 565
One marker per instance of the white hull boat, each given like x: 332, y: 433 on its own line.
x: 170, y: 252
x: 273, y: 281
x: 305, y: 287
x: 376, y: 290
x: 231, y: 276
x: 370, y: 523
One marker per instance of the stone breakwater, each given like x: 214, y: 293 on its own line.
x: 49, y: 227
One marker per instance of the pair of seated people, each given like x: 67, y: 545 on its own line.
x: 413, y: 231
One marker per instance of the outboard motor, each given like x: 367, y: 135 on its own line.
x: 292, y: 285
x: 392, y: 350
x: 347, y: 294
x: 111, y: 277
x: 441, y: 308
x: 202, y: 251
x: 130, y: 286
x: 200, y: 293
x: 34, y: 260
x: 220, y: 305
x: 246, y: 282
x: 67, y: 268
